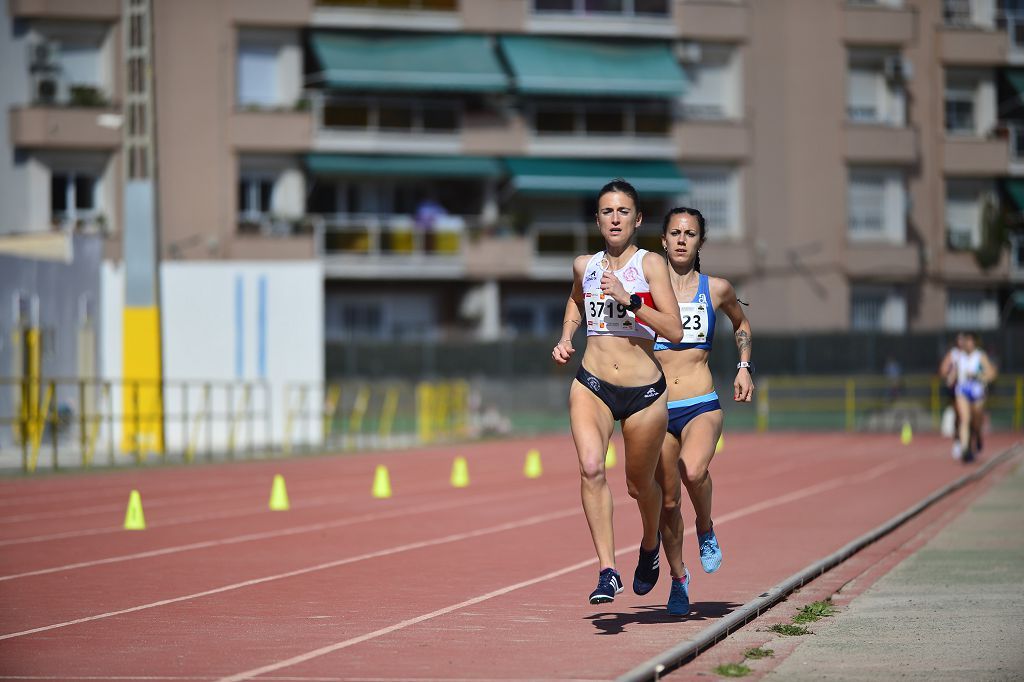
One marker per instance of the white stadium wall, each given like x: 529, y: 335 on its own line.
x: 226, y: 325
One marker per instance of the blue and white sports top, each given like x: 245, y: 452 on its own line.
x: 698, y: 318
x: 604, y: 316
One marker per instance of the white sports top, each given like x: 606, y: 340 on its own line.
x: 968, y: 366
x: 604, y: 316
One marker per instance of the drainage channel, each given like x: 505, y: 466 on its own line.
x: 685, y: 652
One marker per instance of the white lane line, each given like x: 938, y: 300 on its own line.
x: 776, y: 501
x: 783, y: 499
x: 281, y: 532
x: 454, y: 537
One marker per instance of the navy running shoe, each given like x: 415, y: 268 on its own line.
x: 710, y: 552
x: 679, y: 597
x: 647, y: 569
x: 609, y: 584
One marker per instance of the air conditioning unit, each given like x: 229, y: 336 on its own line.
x: 689, y: 52
x: 897, y: 69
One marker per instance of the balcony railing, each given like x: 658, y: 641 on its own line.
x: 385, y: 114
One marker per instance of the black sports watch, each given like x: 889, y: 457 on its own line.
x: 634, y: 303
x: 748, y: 365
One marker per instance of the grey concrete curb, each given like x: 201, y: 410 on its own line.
x: 686, y: 651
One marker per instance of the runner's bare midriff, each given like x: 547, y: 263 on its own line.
x: 622, y: 360
x: 686, y: 372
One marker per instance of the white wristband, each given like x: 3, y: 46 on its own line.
x: 749, y: 366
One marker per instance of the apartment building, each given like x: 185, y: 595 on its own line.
x: 439, y: 158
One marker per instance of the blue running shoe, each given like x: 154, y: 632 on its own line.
x: 710, y: 552
x: 609, y: 584
x: 679, y: 597
x: 647, y: 569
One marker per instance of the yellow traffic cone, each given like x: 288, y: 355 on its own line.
x: 720, y: 443
x: 532, y: 468
x: 134, y: 519
x: 279, y: 495
x: 460, y: 473
x: 906, y: 434
x: 609, y: 457
x: 381, y: 482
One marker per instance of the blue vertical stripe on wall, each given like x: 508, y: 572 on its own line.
x: 239, y: 328
x: 261, y: 329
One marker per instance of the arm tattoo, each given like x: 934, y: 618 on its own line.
x: 742, y: 341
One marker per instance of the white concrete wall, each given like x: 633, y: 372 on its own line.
x: 217, y: 328
x: 14, y: 174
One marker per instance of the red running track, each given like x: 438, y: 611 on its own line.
x: 487, y: 582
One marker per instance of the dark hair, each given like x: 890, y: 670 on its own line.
x: 679, y: 210
x: 620, y: 185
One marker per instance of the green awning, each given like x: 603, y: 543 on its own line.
x: 1015, y: 188
x: 569, y: 66
x: 587, y: 176
x: 407, y: 166
x: 450, y: 63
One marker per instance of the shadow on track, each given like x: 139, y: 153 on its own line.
x: 612, y: 623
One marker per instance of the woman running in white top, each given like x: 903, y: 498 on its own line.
x: 974, y: 371
x: 624, y: 295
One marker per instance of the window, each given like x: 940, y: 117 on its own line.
x: 877, y: 309
x: 381, y: 317
x: 967, y: 309
x: 258, y: 75
x: 629, y: 8
x: 967, y: 94
x: 1017, y: 256
x: 392, y: 115
x: 254, y: 195
x: 566, y: 118
x: 534, y: 316
x: 862, y: 95
x: 713, y: 82
x: 876, y: 206
x: 74, y: 197
x: 714, y: 191
x: 875, y: 87
x: 964, y: 201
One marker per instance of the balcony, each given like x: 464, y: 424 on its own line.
x: 387, y: 124
x: 896, y: 262
x: 696, y: 140
x: 272, y: 130
x: 969, y: 155
x: 877, y: 24
x: 712, y: 20
x: 97, y: 10
x: 425, y: 15
x: 973, y: 46
x: 961, y: 266
x: 71, y: 128
x: 272, y: 13
x: 867, y: 143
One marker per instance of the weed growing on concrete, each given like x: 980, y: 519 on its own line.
x: 732, y: 670
x: 758, y: 653
x: 789, y: 630
x: 814, y: 611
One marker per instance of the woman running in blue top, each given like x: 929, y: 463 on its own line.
x: 695, y: 415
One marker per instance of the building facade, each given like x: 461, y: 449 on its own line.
x: 859, y: 163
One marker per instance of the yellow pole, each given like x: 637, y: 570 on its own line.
x: 333, y: 398
x: 387, y: 412
x: 763, y: 406
x: 37, y: 429
x: 936, y: 401
x: 851, y: 404
x: 359, y: 407
x: 424, y: 409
